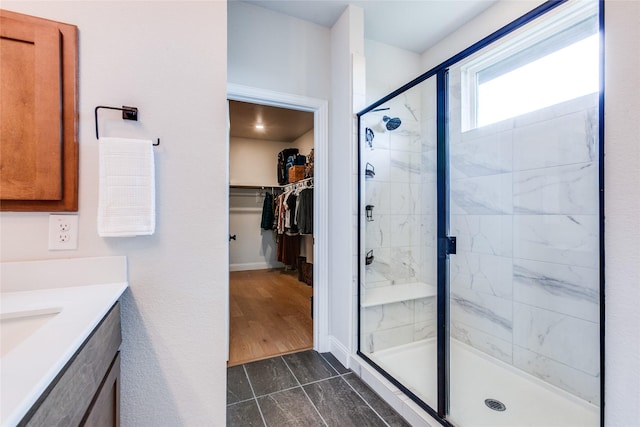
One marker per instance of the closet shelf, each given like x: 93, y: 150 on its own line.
x: 397, y: 293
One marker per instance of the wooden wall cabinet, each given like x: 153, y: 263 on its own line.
x: 87, y: 390
x: 38, y: 114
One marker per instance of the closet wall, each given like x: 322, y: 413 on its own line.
x: 254, y: 162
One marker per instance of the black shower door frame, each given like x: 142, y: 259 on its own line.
x: 445, y: 242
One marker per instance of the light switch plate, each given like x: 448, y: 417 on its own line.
x: 63, y: 232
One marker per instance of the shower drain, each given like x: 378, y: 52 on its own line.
x: 494, y: 404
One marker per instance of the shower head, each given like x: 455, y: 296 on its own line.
x: 392, y: 123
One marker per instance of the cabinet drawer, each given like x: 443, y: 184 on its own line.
x: 69, y: 396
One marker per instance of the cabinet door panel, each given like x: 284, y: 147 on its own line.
x: 105, y: 409
x: 31, y: 111
x: 68, y: 398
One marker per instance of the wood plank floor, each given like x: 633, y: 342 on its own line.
x: 269, y: 315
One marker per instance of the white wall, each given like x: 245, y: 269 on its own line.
x: 388, y: 68
x: 253, y: 248
x: 497, y: 16
x: 272, y: 51
x: 166, y: 58
x: 347, y: 43
x: 304, y: 143
x: 622, y: 213
x: 254, y: 162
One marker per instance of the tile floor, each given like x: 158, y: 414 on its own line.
x: 303, y: 389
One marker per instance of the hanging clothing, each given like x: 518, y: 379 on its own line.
x: 267, y: 212
x: 288, y: 249
x: 279, y: 214
x: 304, y: 211
x: 293, y: 216
x: 290, y: 220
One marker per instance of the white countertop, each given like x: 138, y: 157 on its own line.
x: 42, y: 329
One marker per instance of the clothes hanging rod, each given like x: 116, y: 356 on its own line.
x: 258, y: 187
x: 307, y: 183
x: 128, y: 113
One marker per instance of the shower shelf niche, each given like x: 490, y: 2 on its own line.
x: 396, y: 293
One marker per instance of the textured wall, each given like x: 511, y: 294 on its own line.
x: 622, y: 213
x: 347, y: 42
x: 388, y: 68
x: 269, y: 50
x: 142, y: 54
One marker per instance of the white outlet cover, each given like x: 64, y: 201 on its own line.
x: 63, y: 232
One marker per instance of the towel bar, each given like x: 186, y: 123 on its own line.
x: 128, y: 113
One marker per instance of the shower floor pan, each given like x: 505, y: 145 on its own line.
x: 476, y: 377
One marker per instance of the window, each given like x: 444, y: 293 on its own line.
x: 535, y: 71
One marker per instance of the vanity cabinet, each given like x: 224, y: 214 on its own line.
x: 87, y: 390
x: 38, y: 114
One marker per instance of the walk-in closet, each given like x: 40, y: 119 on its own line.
x: 271, y: 239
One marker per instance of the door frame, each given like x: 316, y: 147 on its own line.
x: 320, y: 110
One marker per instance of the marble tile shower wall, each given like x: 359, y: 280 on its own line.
x: 399, y: 233
x: 524, y: 207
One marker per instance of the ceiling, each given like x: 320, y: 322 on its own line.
x: 413, y: 25
x: 280, y: 124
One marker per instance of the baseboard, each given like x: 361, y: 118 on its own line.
x: 339, y: 351
x: 254, y: 266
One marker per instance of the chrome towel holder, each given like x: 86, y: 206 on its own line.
x: 128, y: 113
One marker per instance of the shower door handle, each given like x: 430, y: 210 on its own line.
x: 451, y: 245
x: 446, y: 246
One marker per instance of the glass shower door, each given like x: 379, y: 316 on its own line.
x: 524, y: 206
x: 398, y: 262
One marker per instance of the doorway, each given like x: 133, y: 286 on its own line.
x: 270, y: 280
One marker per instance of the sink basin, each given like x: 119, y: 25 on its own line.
x: 46, y: 314
x: 17, y: 326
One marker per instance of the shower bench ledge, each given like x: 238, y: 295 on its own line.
x: 397, y: 293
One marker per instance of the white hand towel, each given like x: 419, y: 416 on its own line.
x: 126, y: 200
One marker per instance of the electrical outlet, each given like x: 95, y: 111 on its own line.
x: 63, y: 232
